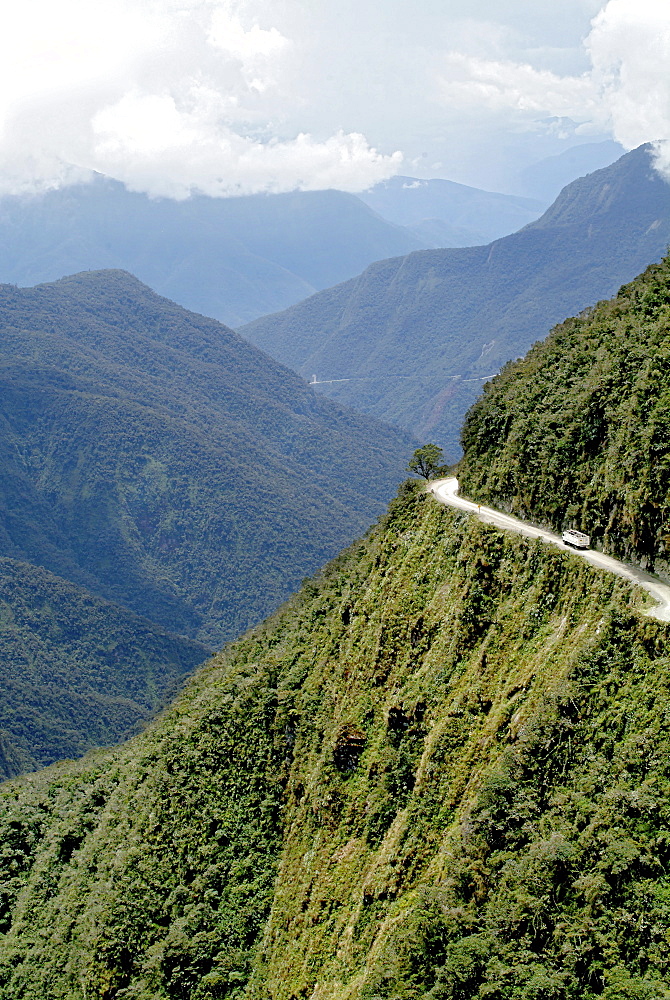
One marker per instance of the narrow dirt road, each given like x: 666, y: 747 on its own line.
x: 446, y: 491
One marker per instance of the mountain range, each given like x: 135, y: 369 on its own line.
x: 231, y: 258
x: 546, y: 179
x: 158, y: 476
x: 412, y: 339
x: 154, y: 450
x: 442, y: 213
x: 439, y: 772
x: 238, y: 258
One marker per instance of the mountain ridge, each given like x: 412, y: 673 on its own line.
x: 439, y: 317
x: 230, y: 258
x: 439, y: 771
x: 94, y: 408
x: 459, y: 214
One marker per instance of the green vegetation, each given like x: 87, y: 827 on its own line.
x: 442, y: 770
x: 427, y: 462
x: 155, y: 458
x: 158, y: 466
x: 413, y: 335
x: 77, y: 671
x: 576, y: 433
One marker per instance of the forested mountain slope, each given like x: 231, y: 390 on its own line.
x: 438, y: 772
x: 77, y: 671
x: 577, y: 433
x: 232, y: 258
x: 408, y: 334
x: 442, y: 770
x: 157, y: 459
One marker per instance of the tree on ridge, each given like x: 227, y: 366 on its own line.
x: 428, y: 461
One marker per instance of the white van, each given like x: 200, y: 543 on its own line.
x: 576, y: 539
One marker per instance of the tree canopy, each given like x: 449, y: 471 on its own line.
x: 577, y: 431
x: 428, y: 461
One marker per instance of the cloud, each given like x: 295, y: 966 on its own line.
x: 500, y: 85
x: 629, y: 46
x: 168, y: 97
x: 235, y: 96
x: 625, y: 90
x: 150, y: 144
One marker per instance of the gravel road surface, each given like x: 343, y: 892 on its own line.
x: 446, y: 491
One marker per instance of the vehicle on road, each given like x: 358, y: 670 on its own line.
x: 576, y: 539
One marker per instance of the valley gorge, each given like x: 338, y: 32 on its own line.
x: 442, y: 769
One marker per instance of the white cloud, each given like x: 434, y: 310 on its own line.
x: 169, y: 98
x: 625, y: 90
x: 500, y: 85
x: 228, y: 33
x: 231, y: 96
x: 138, y: 135
x: 629, y: 47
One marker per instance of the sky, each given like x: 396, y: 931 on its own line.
x: 226, y: 97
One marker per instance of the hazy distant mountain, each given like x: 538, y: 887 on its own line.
x: 546, y: 178
x: 232, y: 258
x: 240, y: 258
x: 443, y: 213
x: 157, y: 459
x: 410, y: 332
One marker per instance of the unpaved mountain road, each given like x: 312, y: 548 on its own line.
x: 446, y: 491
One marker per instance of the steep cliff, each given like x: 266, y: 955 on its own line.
x: 441, y: 770
x: 577, y: 433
